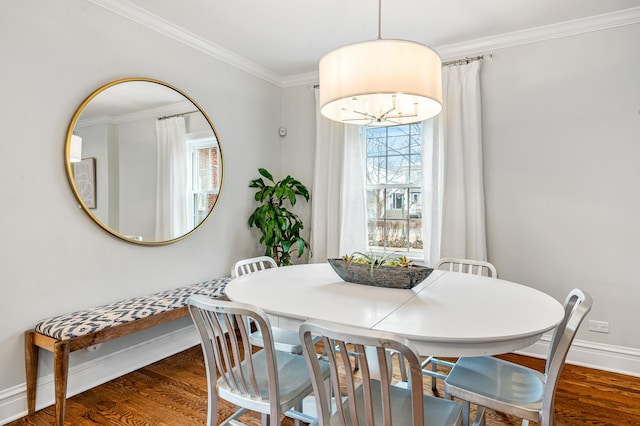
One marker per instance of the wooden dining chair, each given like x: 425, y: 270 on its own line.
x: 284, y: 340
x: 467, y: 266
x: 269, y: 381
x: 368, y: 398
x: 510, y: 388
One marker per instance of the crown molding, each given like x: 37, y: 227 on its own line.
x: 547, y: 32
x: 145, y: 18
x: 447, y: 52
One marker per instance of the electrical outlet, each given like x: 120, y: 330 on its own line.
x: 599, y: 326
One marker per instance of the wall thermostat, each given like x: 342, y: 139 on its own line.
x: 283, y: 132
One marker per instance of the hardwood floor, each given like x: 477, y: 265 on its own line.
x: 173, y: 392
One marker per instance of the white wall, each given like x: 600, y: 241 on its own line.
x: 54, y: 259
x: 298, y: 147
x: 561, y: 150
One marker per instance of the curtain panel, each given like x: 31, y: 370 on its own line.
x: 172, y: 202
x: 338, y: 215
x: 452, y: 188
x: 453, y: 173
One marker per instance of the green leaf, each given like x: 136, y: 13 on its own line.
x: 280, y: 229
x: 266, y: 174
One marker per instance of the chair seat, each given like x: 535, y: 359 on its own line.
x: 283, y: 340
x: 440, y: 411
x: 482, y: 379
x: 514, y: 389
x: 293, y: 379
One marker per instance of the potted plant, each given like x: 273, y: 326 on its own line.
x: 379, y: 270
x: 280, y: 227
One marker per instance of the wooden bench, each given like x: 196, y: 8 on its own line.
x: 79, y: 330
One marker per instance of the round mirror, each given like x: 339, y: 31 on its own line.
x: 144, y: 161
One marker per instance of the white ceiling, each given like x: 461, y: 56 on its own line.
x: 284, y: 39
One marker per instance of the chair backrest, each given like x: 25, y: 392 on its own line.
x: 576, y: 306
x: 230, y: 354
x: 468, y: 266
x: 374, y: 392
x: 255, y: 264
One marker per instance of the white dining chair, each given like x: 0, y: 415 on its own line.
x: 467, y: 266
x: 268, y: 381
x: 284, y: 340
x: 251, y: 265
x: 513, y: 389
x: 369, y: 399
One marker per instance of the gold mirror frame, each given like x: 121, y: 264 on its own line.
x: 70, y: 168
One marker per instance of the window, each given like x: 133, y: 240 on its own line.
x: 205, y: 180
x: 394, y: 188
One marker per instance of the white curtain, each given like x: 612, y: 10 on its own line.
x: 453, y: 185
x: 338, y: 215
x: 172, y: 203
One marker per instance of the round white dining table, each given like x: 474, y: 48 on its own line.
x: 449, y: 314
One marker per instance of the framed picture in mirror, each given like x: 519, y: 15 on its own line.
x: 84, y: 175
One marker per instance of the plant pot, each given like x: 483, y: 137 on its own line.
x: 380, y: 276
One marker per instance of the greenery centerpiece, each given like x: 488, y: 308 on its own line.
x: 280, y: 227
x: 379, y: 270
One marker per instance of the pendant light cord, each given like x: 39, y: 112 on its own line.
x: 379, y: 19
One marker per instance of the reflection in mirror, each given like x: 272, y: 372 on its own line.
x: 144, y: 161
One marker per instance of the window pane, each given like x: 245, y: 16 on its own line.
x: 397, y: 207
x: 415, y: 235
x: 415, y: 203
x: 394, y: 194
x: 376, y: 170
x: 415, y: 173
x: 376, y: 233
x: 397, y: 235
x: 416, y: 143
x: 398, y: 169
x: 375, y: 203
x: 202, y: 204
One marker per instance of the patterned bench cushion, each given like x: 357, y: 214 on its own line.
x: 75, y: 324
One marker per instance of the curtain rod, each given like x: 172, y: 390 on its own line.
x: 176, y: 115
x: 466, y: 60
x: 450, y: 63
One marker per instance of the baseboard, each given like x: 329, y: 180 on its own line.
x: 616, y: 359
x: 13, y: 401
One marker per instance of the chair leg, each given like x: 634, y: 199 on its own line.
x: 481, y: 416
x: 434, y: 368
x: 31, y: 366
x: 298, y: 408
x: 60, y: 374
x: 403, y: 368
x: 466, y: 406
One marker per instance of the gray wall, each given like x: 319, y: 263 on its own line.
x: 54, y: 258
x: 561, y: 145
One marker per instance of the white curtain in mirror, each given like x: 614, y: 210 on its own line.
x: 172, y: 206
x: 338, y: 216
x: 453, y: 181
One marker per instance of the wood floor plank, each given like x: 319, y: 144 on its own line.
x: 173, y: 392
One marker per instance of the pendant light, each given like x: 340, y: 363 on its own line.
x: 381, y: 82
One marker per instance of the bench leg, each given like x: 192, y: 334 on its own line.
x: 31, y: 368
x: 60, y: 374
